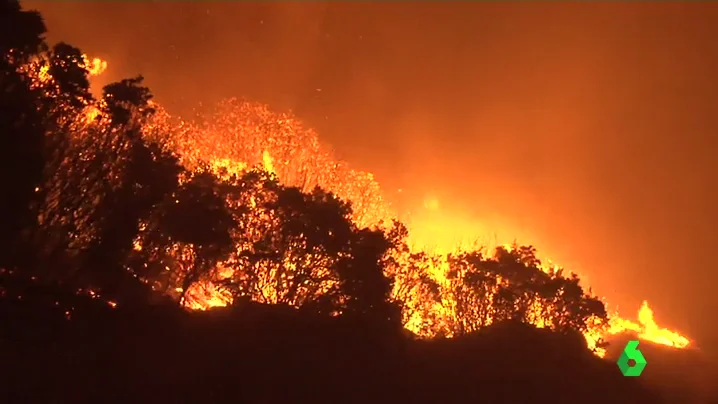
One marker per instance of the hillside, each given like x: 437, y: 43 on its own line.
x: 686, y: 376
x: 264, y: 354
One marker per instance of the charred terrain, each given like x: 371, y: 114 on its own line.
x: 136, y: 271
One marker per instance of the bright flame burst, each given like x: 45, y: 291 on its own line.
x: 242, y: 134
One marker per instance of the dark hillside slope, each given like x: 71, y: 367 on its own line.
x: 267, y: 354
x: 688, y: 376
x: 511, y: 363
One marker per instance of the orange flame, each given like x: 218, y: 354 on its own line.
x: 648, y: 330
x: 243, y: 134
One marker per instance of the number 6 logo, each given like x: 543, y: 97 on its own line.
x: 631, y: 352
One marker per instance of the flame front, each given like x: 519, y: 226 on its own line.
x: 647, y: 329
x: 242, y: 134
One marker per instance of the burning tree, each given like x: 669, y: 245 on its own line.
x: 111, y: 193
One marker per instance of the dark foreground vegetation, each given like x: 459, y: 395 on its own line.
x: 104, y: 232
x: 266, y: 354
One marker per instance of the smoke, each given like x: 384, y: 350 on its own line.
x: 588, y: 130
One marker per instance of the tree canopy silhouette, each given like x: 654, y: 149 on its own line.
x: 22, y: 140
x: 100, y: 207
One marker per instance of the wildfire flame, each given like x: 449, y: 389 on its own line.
x: 647, y: 329
x: 94, y: 66
x: 244, y: 134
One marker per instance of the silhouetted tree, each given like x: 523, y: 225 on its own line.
x: 471, y: 289
x: 513, y: 286
x: 300, y: 249
x: 140, y: 175
x: 415, y: 291
x: 22, y: 32
x: 62, y: 79
x: 21, y: 132
x: 362, y: 279
x: 293, y: 258
x: 190, y: 232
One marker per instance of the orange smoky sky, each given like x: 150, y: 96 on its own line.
x: 588, y: 130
